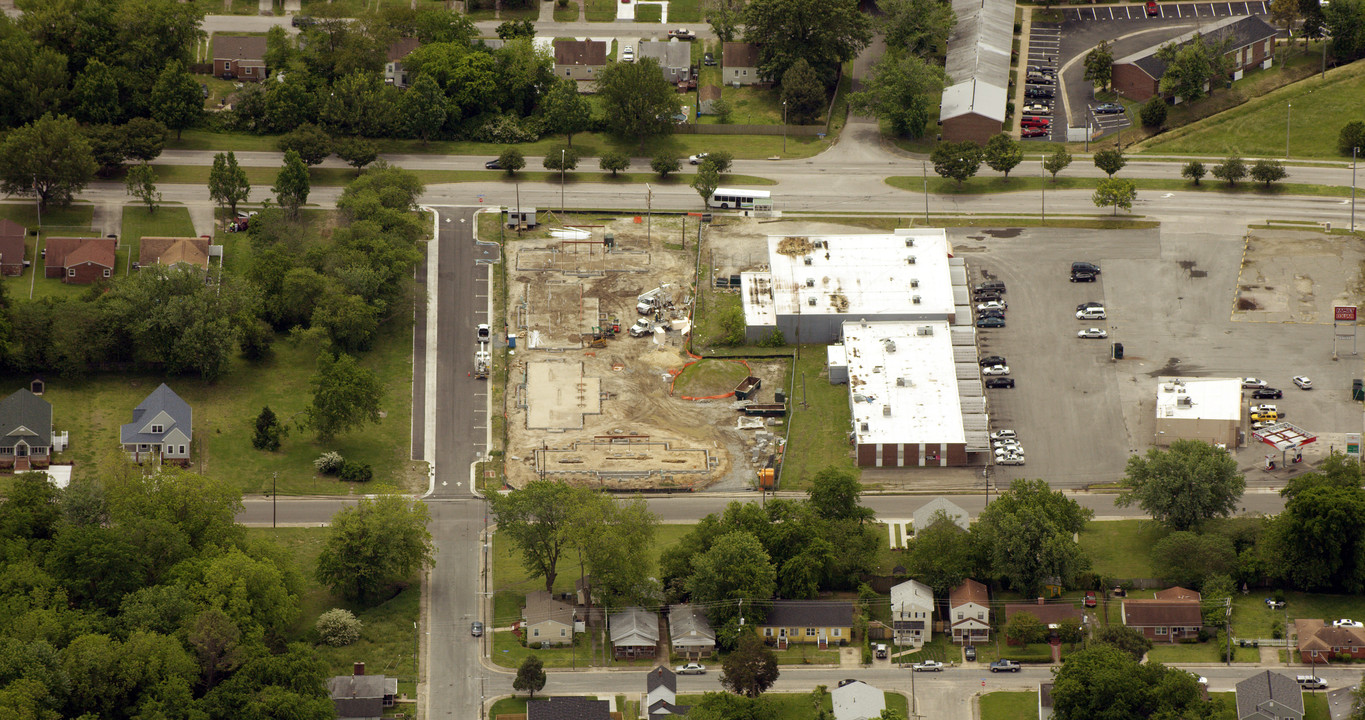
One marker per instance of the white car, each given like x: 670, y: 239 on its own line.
x: 993, y: 305
x: 1010, y: 460
x: 996, y: 370
x: 1004, y: 450
x: 1262, y: 424
x: 1091, y: 314
x: 691, y: 669
x: 1250, y: 383
x: 1303, y: 382
x: 1003, y: 434
x: 1007, y: 445
x: 1037, y: 109
x: 696, y: 159
x: 927, y: 666
x: 1092, y: 333
x: 1347, y: 623
x: 628, y: 54
x: 1263, y: 409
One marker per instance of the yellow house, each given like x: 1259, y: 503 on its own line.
x: 820, y: 622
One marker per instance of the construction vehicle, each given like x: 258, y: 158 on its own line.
x: 484, y: 334
x: 483, y: 361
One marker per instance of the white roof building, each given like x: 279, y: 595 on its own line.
x: 1191, y: 408
x: 857, y: 701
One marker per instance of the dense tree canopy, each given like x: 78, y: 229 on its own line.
x: 1102, y: 682
x: 376, y: 546
x: 824, y: 33
x: 1185, y: 484
x: 902, y: 89
x: 1026, y: 536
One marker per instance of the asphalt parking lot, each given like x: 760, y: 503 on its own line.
x: 1168, y: 294
x: 1172, y: 10
x: 1043, y: 45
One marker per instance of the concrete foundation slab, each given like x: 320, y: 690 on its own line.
x: 558, y: 395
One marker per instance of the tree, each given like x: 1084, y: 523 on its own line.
x: 751, y: 669
x: 309, y: 141
x: 736, y: 567
x: 94, y: 95
x: 177, y: 101
x: 941, y: 555
x: 725, y: 17
x: 665, y: 163
x: 140, y: 182
x: 956, y: 160
x: 721, y: 160
x: 1193, y: 170
x: 1057, y: 162
x: 338, y: 627
x: 825, y: 33
x: 901, y: 89
x: 1345, y: 23
x: 1099, y: 65
x: 836, y: 495
x: 144, y: 138
x: 562, y: 158
x: 292, y: 184
x: 1318, y: 541
x: 611, y: 538
x: 513, y: 29
x: 1153, y: 112
x: 917, y: 26
x: 1003, y: 154
x: 1102, y: 682
x: 614, y: 161
x: 1268, y: 171
x: 706, y: 181
x: 803, y: 95
x: 375, y: 545
x: 345, y: 396
x: 637, y: 102
x: 50, y: 157
x: 1352, y: 136
x: 1118, y: 192
x: 357, y: 152
x: 1190, y: 66
x: 216, y: 639
x: 1110, y: 160
x: 227, y: 182
x: 1025, y: 628
x: 424, y: 107
x: 537, y: 519
x: 1285, y: 13
x: 1230, y: 170
x: 565, y: 110
x: 511, y: 160
x: 1184, y: 485
x: 722, y: 109
x: 1186, y: 558
x: 530, y: 676
x: 269, y: 432
x: 1127, y: 639
x: 1026, y: 536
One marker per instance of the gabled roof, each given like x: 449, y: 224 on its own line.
x: 689, y: 624
x: 162, y: 407
x: 1177, y: 593
x: 1243, y: 30
x: 9, y: 227
x: 1162, y: 613
x: 1314, y: 634
x: 671, y: 54
x: 810, y: 613
x: 978, y: 59
x: 360, y: 696
x: 591, y: 53
x: 401, y: 48
x: 911, y: 593
x: 634, y: 627
x: 239, y: 47
x: 1049, y: 613
x: 64, y: 252
x: 661, y: 677
x: 12, y: 250
x: 857, y: 701
x: 739, y: 55
x: 567, y: 708
x: 924, y: 516
x: 173, y: 250
x: 970, y: 591
x: 1267, y: 695
x: 542, y: 606
x: 663, y: 709
x: 25, y: 416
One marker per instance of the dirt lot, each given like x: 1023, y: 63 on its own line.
x: 1295, y: 276
x: 602, y: 412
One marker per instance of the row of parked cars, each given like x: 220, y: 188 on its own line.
x: 990, y: 313
x: 1264, y: 415
x: 1040, y: 84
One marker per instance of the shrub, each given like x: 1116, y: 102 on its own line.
x: 338, y: 627
x: 1352, y: 136
x: 329, y: 463
x: 774, y: 339
x: 1154, y: 112
x: 355, y: 472
x: 665, y: 163
x: 722, y: 109
x: 1277, y: 630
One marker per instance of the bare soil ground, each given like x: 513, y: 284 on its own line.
x: 1298, y: 276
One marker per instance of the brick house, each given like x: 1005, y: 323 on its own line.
x: 12, y: 250
x: 1163, y: 620
x: 969, y: 613
x: 239, y: 56
x: 580, y: 59
x: 1251, y: 42
x: 739, y: 64
x: 1322, y: 643
x: 1048, y: 613
x: 974, y: 103
x: 79, y: 261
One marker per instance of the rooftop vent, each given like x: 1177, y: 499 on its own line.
x: 924, y: 330
x: 886, y: 411
x: 889, y: 345
x: 914, y: 283
x: 909, y: 242
x: 863, y: 426
x: 808, y: 260
x: 910, y: 260
x: 811, y: 302
x: 1186, y: 401
x: 915, y: 299
x: 810, y: 282
x: 900, y: 382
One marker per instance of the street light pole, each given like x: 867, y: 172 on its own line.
x: 925, y: 166
x: 1042, y: 188
x: 784, y: 121
x: 1354, y: 151
x: 649, y: 212
x: 1323, y: 4
x: 561, y: 181
x: 1288, y: 112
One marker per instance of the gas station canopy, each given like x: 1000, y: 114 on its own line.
x: 1284, y: 436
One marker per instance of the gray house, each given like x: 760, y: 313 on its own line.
x: 661, y: 694
x: 674, y: 57
x: 25, y: 431
x: 549, y: 621
x: 634, y: 633
x: 359, y: 696
x: 924, y: 516
x: 690, y: 632
x: 162, y: 429
x: 1269, y: 696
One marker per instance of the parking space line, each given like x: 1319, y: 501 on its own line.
x: 1111, y: 12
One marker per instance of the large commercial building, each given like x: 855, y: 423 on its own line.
x: 1208, y: 409
x: 978, y: 68
x: 814, y: 284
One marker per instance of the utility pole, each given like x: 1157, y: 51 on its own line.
x: 925, y: 167
x: 561, y: 181
x: 784, y: 112
x: 1288, y: 112
x: 1354, y: 152
x: 1227, y: 629
x: 274, y: 497
x: 1042, y: 186
x: 649, y: 212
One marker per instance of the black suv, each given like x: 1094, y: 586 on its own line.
x: 1038, y: 91
x: 1085, y: 267
x: 1082, y: 277
x: 989, y: 285
x: 999, y: 382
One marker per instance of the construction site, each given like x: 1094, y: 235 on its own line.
x: 601, y: 389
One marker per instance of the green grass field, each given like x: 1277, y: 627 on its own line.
x: 600, y: 10
x: 707, y: 378
x: 262, y: 178
x: 684, y: 11
x: 1037, y: 185
x: 751, y: 106
x: 1009, y: 706
x: 798, y: 706
x: 507, y: 706
x: 1121, y: 548
x: 1252, y: 619
x: 167, y: 221
x: 817, y: 433
x: 568, y: 13
x: 1205, y: 652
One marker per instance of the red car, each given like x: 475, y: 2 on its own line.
x: 1090, y: 598
x: 1153, y: 9
x: 1034, y: 132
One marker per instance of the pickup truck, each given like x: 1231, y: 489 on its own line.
x: 1005, y: 666
x: 483, y: 333
x: 682, y: 34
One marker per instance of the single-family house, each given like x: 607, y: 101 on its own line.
x: 162, y: 429
x: 912, y: 613
x: 857, y: 701
x: 568, y: 708
x: 12, y: 250
x: 1177, y: 593
x: 634, y: 633
x: 969, y: 613
x: 1322, y: 643
x: 25, y: 431
x: 1163, y: 620
x: 362, y: 697
x: 1048, y: 613
x: 79, y: 261
x: 394, y: 73
x: 1249, y: 42
x: 547, y: 620
x: 674, y: 58
x: 739, y: 64
x: 928, y: 512
x: 1341, y: 702
x: 661, y: 694
x: 240, y: 57
x: 580, y: 59
x: 1268, y: 695
x: 174, y: 251
x: 822, y: 622
x: 690, y: 632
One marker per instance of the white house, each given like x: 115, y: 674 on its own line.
x: 912, y: 612
x: 969, y: 613
x: 857, y: 701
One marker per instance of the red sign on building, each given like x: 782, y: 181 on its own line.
x: 1344, y: 313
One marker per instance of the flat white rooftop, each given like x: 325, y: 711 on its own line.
x: 861, y: 276
x: 1193, y: 398
x: 902, y: 382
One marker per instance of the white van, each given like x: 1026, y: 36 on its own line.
x: 1094, y: 313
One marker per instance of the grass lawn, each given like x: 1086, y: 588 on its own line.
x: 939, y: 649
x: 507, y: 706
x: 1205, y: 652
x: 167, y: 221
x: 1009, y: 706
x: 990, y: 185
x: 509, y: 652
x: 1315, y: 706
x: 73, y: 221
x: 261, y: 178
x: 818, y: 432
x: 785, y: 705
x: 1033, y: 653
x: 236, y: 7
x: 706, y: 378
x: 348, y: 8
x: 801, y: 654
x: 1121, y: 548
x: 714, y: 305
x: 387, y: 643
x: 684, y: 11
x: 75, y: 217
x: 750, y: 106
x: 568, y: 13
x: 1252, y: 619
x: 600, y: 10
x: 649, y: 13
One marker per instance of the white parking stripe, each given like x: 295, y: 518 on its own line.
x: 1111, y: 12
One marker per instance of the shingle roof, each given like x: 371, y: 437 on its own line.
x: 1266, y: 695
x: 65, y: 251
x: 912, y: 593
x: 1048, y: 613
x: 661, y: 677
x: 567, y: 708
x: 239, y: 47
x: 173, y: 250
x: 401, y: 48
x: 970, y: 591
x: 542, y: 606
x: 162, y: 407
x: 580, y: 52
x: 360, y: 696
x: 671, y: 54
x: 1149, y: 613
x: 857, y: 701
x: 924, y: 516
x: 634, y: 627
x: 9, y: 227
x: 663, y: 709
x: 810, y: 613
x: 739, y: 55
x: 1315, y: 634
x: 12, y: 250
x: 25, y: 416
x: 689, y: 625
x: 1243, y: 30
x: 1177, y: 593
x: 978, y: 59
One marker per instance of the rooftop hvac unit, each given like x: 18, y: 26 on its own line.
x: 808, y: 260
x: 915, y: 299
x: 914, y: 283
x: 889, y: 345
x: 810, y: 282
x: 863, y: 426
x: 1186, y: 401
x: 811, y: 302
x: 886, y: 411
x: 820, y: 244
x: 909, y: 242
x: 910, y: 260
x: 1167, y: 387
x: 900, y: 382
x: 924, y: 330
